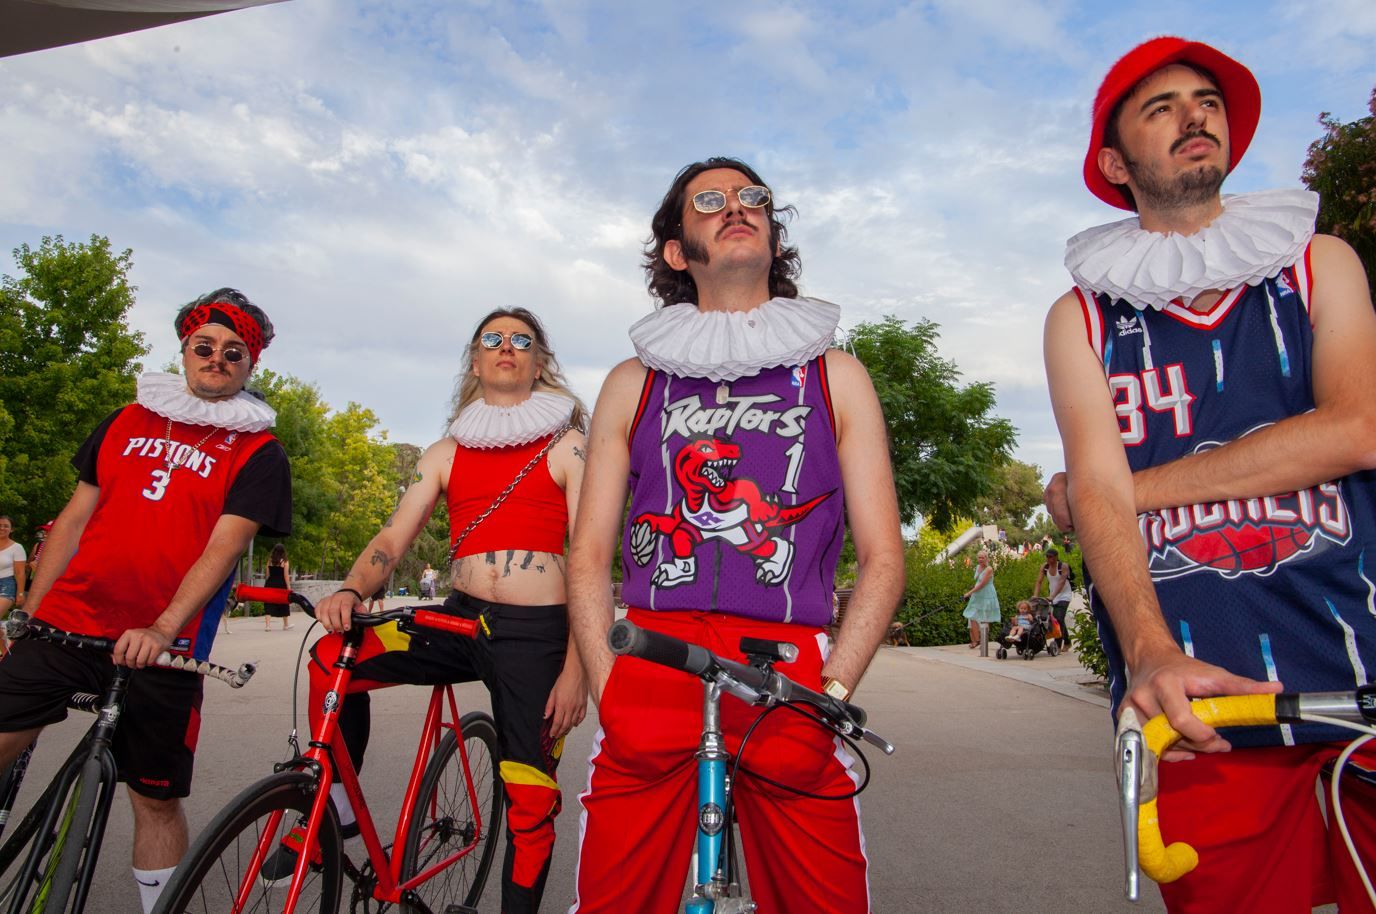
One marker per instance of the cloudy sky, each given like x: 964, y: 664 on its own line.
x: 379, y: 174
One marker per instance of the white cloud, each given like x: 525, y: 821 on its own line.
x: 379, y: 175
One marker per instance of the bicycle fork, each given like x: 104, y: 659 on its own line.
x: 716, y: 889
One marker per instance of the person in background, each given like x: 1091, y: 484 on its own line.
x: 983, y: 599
x: 1056, y: 574
x: 13, y: 578
x: 279, y: 575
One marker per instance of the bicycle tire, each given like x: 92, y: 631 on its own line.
x: 215, y: 867
x: 35, y: 873
x: 442, y: 818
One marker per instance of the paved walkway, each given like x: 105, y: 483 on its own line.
x: 999, y: 800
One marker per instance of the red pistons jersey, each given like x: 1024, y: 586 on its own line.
x: 736, y: 497
x: 150, y: 525
x: 534, y: 517
x: 1271, y: 588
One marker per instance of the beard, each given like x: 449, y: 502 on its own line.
x: 1195, y: 187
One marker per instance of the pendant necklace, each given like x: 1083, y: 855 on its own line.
x: 723, y: 393
x: 179, y: 464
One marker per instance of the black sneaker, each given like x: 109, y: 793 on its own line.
x: 282, y: 862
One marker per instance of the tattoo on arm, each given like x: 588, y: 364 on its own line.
x: 418, y: 476
x: 380, y: 558
x: 579, y: 453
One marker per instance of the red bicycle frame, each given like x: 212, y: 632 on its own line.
x: 326, y: 763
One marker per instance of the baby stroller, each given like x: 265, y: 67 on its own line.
x: 1036, y: 639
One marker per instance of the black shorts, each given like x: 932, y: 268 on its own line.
x: 155, y: 743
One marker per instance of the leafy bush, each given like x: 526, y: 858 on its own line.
x: 1084, y: 635
x: 932, y: 599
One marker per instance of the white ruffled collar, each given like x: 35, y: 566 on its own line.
x: 483, y: 425
x: 1255, y: 237
x: 726, y: 345
x: 167, y: 395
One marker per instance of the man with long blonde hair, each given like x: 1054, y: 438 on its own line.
x: 515, y: 424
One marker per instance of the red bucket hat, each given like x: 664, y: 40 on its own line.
x: 1241, y: 99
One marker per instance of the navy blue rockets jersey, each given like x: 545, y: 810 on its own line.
x: 1269, y: 588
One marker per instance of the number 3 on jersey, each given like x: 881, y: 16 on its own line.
x: 156, y: 491
x: 1165, y: 392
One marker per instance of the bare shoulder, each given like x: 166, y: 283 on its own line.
x: 573, y: 446
x: 1341, y: 297
x: 617, y: 400
x: 846, y: 373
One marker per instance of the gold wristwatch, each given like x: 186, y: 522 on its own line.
x: 835, y: 688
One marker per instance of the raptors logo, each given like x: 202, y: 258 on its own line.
x: 718, y: 507
x: 1245, y: 536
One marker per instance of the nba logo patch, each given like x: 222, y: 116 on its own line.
x: 229, y: 440
x: 1283, y: 284
x: 799, y: 375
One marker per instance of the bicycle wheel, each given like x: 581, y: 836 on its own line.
x: 216, y: 868
x: 43, y: 858
x: 443, y: 820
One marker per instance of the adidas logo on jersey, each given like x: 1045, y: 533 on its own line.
x: 1128, y: 325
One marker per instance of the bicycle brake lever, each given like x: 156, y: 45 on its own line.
x: 1131, y: 751
x: 874, y: 739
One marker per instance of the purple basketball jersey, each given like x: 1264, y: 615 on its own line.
x: 736, y: 496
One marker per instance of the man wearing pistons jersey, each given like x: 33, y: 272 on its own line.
x: 1211, y: 375
x: 742, y: 437
x: 171, y: 491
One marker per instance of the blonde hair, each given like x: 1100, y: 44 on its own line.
x: 549, y: 378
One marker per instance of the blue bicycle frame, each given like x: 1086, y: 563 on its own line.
x: 714, y: 876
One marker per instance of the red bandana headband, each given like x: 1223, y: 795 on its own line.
x: 226, y: 315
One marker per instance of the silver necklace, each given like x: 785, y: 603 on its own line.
x: 167, y: 455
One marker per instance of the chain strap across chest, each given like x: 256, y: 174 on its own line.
x: 511, y: 487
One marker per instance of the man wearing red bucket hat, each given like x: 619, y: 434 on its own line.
x: 1211, y: 372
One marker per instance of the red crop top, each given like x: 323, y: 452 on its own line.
x: 534, y: 517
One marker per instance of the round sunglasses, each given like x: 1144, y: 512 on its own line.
x: 231, y: 352
x: 714, y: 201
x: 493, y: 340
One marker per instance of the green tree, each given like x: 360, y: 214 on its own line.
x: 69, y: 360
x: 943, y: 439
x: 1016, y: 492
x: 1341, y: 169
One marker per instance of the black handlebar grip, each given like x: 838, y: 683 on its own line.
x: 627, y: 638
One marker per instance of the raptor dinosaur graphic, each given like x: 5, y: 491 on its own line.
x: 716, y: 507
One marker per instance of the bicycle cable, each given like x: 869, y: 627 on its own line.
x: 296, y: 690
x: 1368, y: 734
x: 737, y: 767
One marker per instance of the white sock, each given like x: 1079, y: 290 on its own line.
x: 151, y: 883
x: 340, y: 798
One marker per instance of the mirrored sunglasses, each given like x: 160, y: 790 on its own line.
x: 493, y: 340
x: 714, y: 201
x: 231, y: 353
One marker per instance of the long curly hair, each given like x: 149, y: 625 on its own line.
x: 551, y: 378
x: 670, y: 286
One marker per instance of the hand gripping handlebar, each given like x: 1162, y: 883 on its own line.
x: 19, y: 626
x: 749, y: 683
x: 426, y: 618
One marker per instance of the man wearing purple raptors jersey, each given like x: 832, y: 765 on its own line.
x: 1211, y: 375
x: 742, y: 438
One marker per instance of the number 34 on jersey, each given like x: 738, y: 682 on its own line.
x: 1159, y: 390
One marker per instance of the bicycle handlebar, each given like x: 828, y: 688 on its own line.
x: 425, y: 618
x: 19, y: 625
x: 748, y: 683
x: 1137, y: 776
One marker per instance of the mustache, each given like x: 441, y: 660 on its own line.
x: 1196, y: 135
x: 737, y: 222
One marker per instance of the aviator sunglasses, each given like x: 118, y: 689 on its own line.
x: 231, y: 353
x: 493, y: 340
x: 714, y: 201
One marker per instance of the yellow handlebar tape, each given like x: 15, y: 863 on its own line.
x: 1167, y: 864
